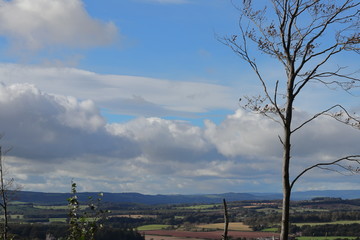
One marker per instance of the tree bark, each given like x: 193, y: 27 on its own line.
x: 285, y: 217
x: 226, y: 221
x: 3, y: 203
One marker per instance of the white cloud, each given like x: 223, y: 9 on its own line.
x: 59, y: 138
x: 245, y: 134
x: 46, y: 127
x: 128, y: 95
x: 36, y: 24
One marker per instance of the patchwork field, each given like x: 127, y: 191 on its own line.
x: 324, y: 223
x: 205, y: 235
x: 233, y: 226
x: 201, y: 206
x: 325, y: 238
x: 152, y: 227
x: 58, y: 207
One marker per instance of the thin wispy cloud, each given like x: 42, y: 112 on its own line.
x: 129, y: 95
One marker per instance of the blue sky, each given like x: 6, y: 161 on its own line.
x: 141, y: 96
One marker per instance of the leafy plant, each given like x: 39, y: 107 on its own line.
x: 84, y: 225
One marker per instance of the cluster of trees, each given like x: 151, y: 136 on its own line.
x: 60, y: 231
x: 325, y: 216
x: 331, y: 230
x: 82, y: 224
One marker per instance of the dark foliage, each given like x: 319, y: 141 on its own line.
x: 332, y: 230
x: 39, y: 231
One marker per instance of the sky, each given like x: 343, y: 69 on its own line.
x: 142, y: 96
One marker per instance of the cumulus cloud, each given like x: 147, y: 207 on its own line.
x: 60, y: 137
x: 46, y: 127
x: 36, y: 24
x: 245, y: 134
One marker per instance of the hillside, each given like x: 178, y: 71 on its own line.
x: 60, y: 198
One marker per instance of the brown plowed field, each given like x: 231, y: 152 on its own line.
x: 207, y: 235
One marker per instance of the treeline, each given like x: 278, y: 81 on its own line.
x: 331, y: 230
x: 261, y: 220
x: 60, y: 231
x: 167, y: 219
x: 325, y: 216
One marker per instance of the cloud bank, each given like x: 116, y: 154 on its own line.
x: 56, y: 138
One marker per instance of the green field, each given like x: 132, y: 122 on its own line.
x: 152, y: 227
x: 203, y: 206
x: 233, y: 226
x: 270, y: 230
x: 61, y: 220
x: 324, y: 238
x: 324, y: 223
x: 58, y: 207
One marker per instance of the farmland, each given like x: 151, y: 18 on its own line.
x: 248, y: 219
x: 209, y: 235
x: 233, y: 226
x: 325, y: 223
x: 326, y: 238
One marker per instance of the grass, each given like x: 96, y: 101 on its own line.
x: 324, y: 238
x: 234, y: 226
x: 203, y: 206
x: 64, y: 220
x: 152, y: 227
x: 57, y: 220
x: 58, y: 207
x: 324, y: 223
x: 18, y: 203
x: 270, y: 230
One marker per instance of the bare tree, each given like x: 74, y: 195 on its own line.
x: 304, y: 36
x: 8, y: 188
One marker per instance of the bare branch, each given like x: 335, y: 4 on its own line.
x: 348, y: 119
x: 353, y: 158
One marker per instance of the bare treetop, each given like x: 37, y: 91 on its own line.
x: 303, y: 36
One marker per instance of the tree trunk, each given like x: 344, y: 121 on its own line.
x: 3, y: 202
x: 286, y: 185
x: 226, y: 221
x: 285, y: 217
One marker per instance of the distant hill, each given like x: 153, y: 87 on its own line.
x: 344, y: 194
x: 61, y: 198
